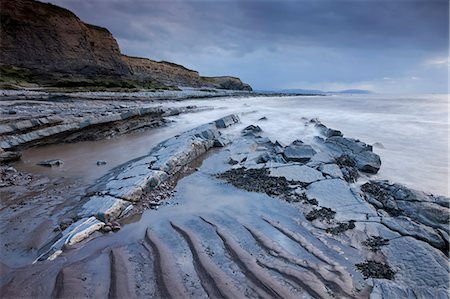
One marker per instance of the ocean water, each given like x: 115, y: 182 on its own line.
x: 409, y: 132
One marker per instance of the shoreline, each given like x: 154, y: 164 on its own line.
x: 320, y: 191
x: 174, y: 95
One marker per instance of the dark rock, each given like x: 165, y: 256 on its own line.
x: 106, y: 229
x: 231, y: 161
x: 115, y: 226
x: 326, y: 131
x: 101, y: 162
x: 251, y: 129
x: 263, y: 118
x: 373, y: 269
x: 298, y: 152
x: 226, y: 121
x: 9, y: 156
x: 361, y: 153
x: 221, y: 142
x: 51, y: 163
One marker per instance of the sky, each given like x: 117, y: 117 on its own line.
x: 387, y: 46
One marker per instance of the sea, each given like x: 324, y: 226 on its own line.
x: 409, y: 132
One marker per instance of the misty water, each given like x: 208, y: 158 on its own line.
x: 409, y: 132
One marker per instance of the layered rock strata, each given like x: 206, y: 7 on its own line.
x: 115, y: 193
x: 48, y: 44
x: 249, y: 223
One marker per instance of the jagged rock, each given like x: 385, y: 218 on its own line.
x: 132, y: 188
x: 221, y: 142
x: 251, y: 130
x: 75, y: 233
x: 105, y: 208
x: 51, y: 163
x: 361, y: 153
x: 6, y: 157
x: 327, y: 132
x: 227, y: 121
x: 299, y: 152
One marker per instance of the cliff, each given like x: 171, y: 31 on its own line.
x: 174, y: 74
x: 54, y: 44
x: 51, y: 40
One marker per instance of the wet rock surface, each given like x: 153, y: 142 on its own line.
x: 6, y: 157
x: 51, y: 163
x: 67, y: 120
x: 113, y: 196
x: 247, y: 222
x: 423, y: 216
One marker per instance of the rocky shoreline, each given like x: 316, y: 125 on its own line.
x: 355, y: 237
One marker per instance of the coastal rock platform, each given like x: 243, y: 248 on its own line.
x: 249, y: 222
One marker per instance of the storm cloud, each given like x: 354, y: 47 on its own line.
x: 386, y: 46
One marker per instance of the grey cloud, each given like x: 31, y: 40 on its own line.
x: 339, y: 40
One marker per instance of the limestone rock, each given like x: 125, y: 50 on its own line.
x: 365, y: 159
x: 75, y: 233
x: 227, y: 121
x: 299, y: 152
x: 105, y: 208
x: 299, y: 173
x: 337, y: 195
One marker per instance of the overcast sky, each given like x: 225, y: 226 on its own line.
x: 382, y: 45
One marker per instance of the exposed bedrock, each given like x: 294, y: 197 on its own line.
x: 23, y: 133
x: 417, y: 214
x: 113, y: 195
x: 247, y: 223
x: 355, y: 151
x: 399, y: 217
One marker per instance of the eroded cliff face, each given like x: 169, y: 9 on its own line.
x: 174, y: 74
x: 163, y: 72
x: 50, y: 39
x: 54, y: 43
